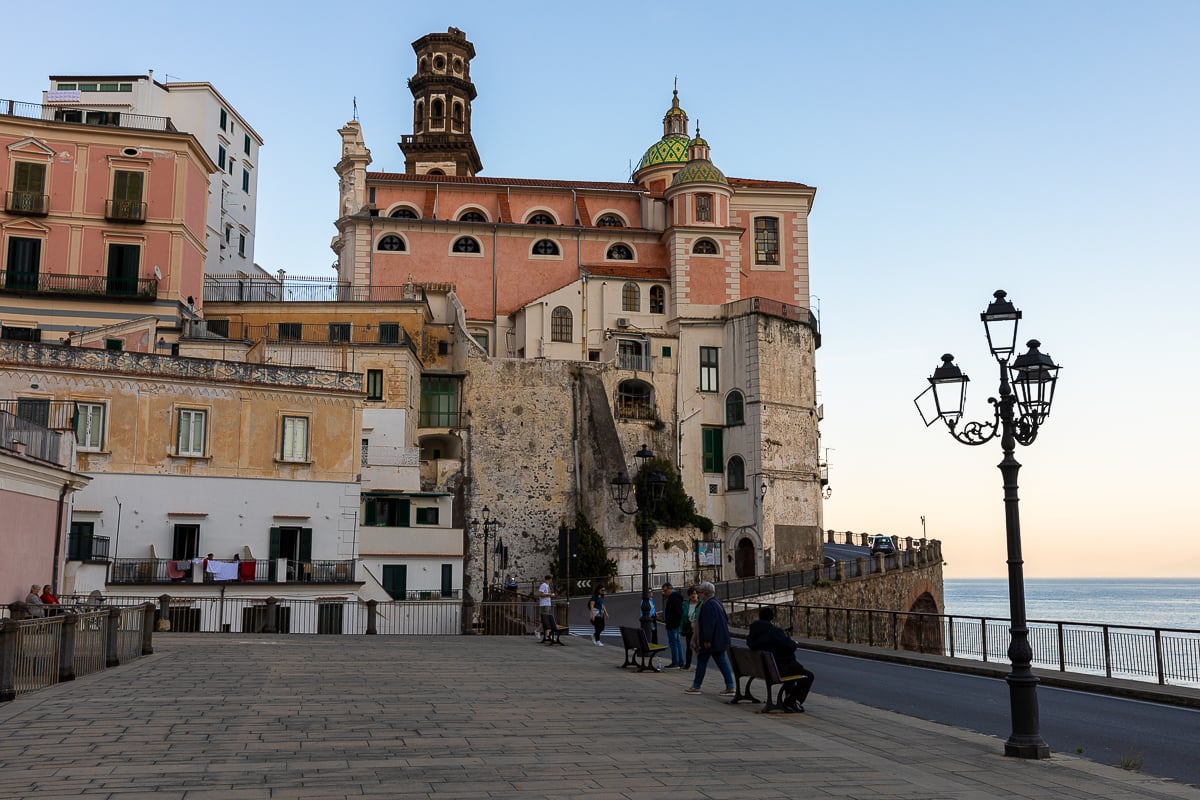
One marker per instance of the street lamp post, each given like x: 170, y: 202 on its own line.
x: 489, y: 525
x: 649, y: 493
x: 1018, y: 415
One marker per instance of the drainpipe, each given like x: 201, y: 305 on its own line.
x: 495, y: 325
x: 437, y: 198
x: 583, y: 295
x: 58, y: 531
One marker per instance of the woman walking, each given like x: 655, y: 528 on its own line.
x: 598, y: 614
x: 691, y: 612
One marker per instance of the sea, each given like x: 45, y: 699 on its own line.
x: 1148, y: 602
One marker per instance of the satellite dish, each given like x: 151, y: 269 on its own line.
x: 157, y: 273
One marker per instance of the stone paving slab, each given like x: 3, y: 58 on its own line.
x: 233, y: 717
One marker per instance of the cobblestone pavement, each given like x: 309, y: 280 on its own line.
x: 236, y: 716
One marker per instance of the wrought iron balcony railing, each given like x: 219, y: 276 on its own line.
x: 79, y: 285
x: 31, y: 203
x: 125, y: 210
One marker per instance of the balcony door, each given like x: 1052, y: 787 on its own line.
x: 123, y: 265
x: 24, y: 261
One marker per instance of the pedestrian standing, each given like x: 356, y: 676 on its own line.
x: 673, y: 619
x: 687, y: 632
x: 545, y: 598
x: 598, y: 613
x: 648, y: 616
x: 712, y: 636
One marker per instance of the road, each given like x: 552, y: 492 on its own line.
x: 1109, y: 730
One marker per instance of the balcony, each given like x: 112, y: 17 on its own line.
x: 29, y: 203
x: 115, y: 287
x: 231, y: 289
x: 124, y: 211
x: 85, y: 116
x: 87, y: 547
x: 633, y: 361
x: 127, y: 571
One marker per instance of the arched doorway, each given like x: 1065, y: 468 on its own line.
x: 743, y: 560
x: 922, y: 634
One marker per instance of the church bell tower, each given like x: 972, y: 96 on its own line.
x: 441, y: 141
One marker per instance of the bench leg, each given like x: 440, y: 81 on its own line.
x: 743, y: 694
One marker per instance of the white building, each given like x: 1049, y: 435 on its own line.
x: 192, y: 107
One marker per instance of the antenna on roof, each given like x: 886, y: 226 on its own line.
x: 168, y: 76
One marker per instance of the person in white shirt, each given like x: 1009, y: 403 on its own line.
x: 545, y: 596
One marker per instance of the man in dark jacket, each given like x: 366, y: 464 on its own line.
x: 673, y: 617
x: 765, y: 635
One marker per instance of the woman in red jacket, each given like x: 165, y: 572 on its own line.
x: 48, y: 596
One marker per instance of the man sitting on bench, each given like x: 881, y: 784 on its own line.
x: 765, y: 635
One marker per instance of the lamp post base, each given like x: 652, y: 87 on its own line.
x: 1026, y: 747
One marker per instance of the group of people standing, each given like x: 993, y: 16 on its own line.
x: 700, y: 625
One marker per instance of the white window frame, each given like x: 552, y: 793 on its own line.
x: 293, y: 445
x: 710, y: 374
x: 89, y: 426
x: 187, y: 419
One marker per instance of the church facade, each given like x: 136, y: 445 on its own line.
x: 679, y: 298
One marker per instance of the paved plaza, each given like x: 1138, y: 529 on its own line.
x: 230, y: 716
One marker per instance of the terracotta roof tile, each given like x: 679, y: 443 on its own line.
x: 404, y: 177
x: 628, y: 271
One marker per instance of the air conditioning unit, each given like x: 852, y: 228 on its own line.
x: 622, y: 322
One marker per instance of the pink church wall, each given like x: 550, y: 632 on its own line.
x: 27, y: 535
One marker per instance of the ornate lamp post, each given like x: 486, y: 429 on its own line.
x: 489, y: 525
x: 1018, y: 417
x: 646, y: 499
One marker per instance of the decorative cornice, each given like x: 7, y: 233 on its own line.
x: 150, y: 365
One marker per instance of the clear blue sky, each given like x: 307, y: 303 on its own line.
x: 1049, y: 149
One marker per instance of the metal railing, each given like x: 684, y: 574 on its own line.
x: 85, y: 116
x: 1163, y: 655
x: 633, y: 361
x: 220, y: 289
x: 292, y: 334
x: 169, y: 570
x: 69, y: 641
x: 90, y: 285
x: 31, y: 203
x: 125, y: 210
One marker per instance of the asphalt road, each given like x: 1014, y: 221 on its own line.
x: 1161, y: 739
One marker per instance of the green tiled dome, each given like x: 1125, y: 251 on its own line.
x: 667, y: 150
x: 699, y: 171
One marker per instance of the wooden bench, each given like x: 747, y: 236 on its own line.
x: 751, y: 664
x: 638, y: 650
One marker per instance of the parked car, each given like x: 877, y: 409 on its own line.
x: 883, y: 544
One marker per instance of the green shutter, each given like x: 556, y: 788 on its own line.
x: 402, y: 514
x: 369, y: 512
x: 306, y: 544
x: 447, y: 580
x: 273, y: 548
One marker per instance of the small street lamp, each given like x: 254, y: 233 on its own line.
x: 1018, y: 417
x: 650, y: 489
x: 489, y: 525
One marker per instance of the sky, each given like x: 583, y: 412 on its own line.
x: 1047, y: 149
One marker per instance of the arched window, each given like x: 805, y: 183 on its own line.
x: 735, y: 408
x: 541, y: 219
x: 705, y: 247
x: 704, y: 208
x: 619, y: 252
x: 735, y: 474
x: 392, y: 243
x: 457, y: 114
x: 457, y: 64
x: 631, y: 297
x: 437, y: 113
x: 471, y: 216
x: 424, y: 65
x: 404, y: 213
x: 419, y: 114
x: 561, y: 328
x: 635, y: 400
x: 610, y: 221
x: 435, y: 172
x: 466, y: 244
x: 658, y: 302
x: 545, y: 247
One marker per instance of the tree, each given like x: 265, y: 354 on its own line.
x: 677, y: 509
x: 592, y: 559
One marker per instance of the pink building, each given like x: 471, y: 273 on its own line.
x: 103, y: 226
